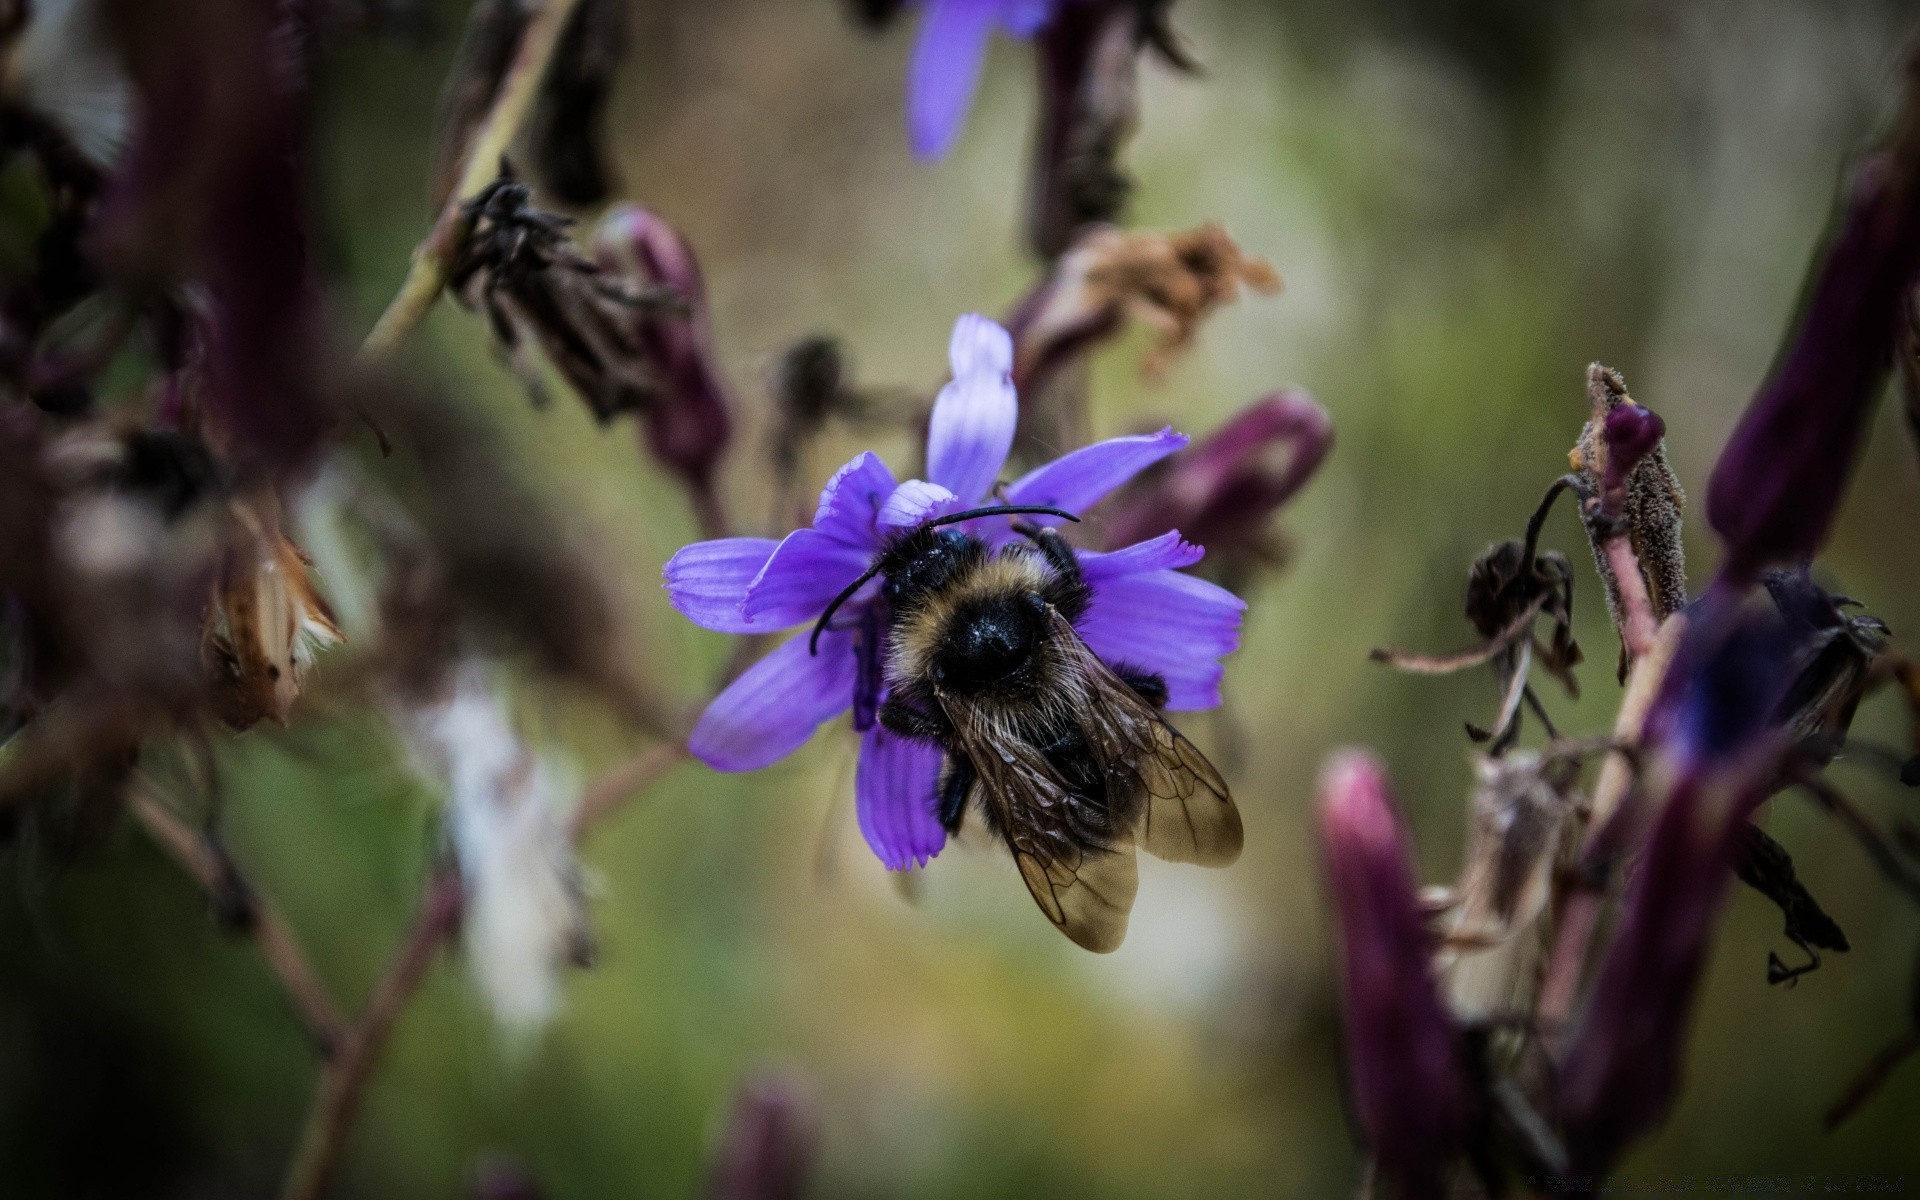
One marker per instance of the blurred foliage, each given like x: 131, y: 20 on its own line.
x: 1470, y: 201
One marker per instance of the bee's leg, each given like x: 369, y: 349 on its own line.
x: 1148, y: 686
x: 1068, y: 591
x: 954, y: 786
x: 910, y: 722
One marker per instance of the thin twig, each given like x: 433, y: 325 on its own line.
x: 433, y: 259
x: 1889, y: 861
x: 612, y: 789
x: 1639, y: 627
x: 305, y: 992
x: 343, y: 1082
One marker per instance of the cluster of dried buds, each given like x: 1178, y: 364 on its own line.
x: 1529, y: 1019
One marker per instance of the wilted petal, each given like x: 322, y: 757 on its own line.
x: 1409, y: 1091
x: 895, y: 796
x: 1078, y: 481
x: 945, y: 71
x: 707, y: 581
x: 974, y: 416
x: 802, y: 576
x: 775, y: 706
x: 850, y: 503
x: 915, y: 501
x: 1169, y: 623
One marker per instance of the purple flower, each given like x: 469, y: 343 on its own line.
x: 768, y: 1143
x: 1144, y: 610
x: 1409, y: 1087
x: 946, y: 62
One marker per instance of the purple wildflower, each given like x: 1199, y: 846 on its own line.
x: 946, y: 62
x: 1144, y: 610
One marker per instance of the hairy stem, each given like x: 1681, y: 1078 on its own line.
x: 433, y: 259
x: 263, y: 924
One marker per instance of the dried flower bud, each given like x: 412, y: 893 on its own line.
x: 1408, y: 1084
x: 1774, y: 492
x: 1713, y: 753
x: 265, y: 621
x: 1223, y: 491
x: 767, y: 1146
x: 1834, y: 654
x: 689, y: 423
x: 1167, y: 281
x: 1625, y: 480
x: 523, y: 271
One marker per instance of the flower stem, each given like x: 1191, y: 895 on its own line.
x: 263, y: 923
x: 433, y: 259
x: 613, y: 788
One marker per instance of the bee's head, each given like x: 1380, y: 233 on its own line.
x: 991, y: 642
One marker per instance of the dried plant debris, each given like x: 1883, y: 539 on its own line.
x: 1169, y: 282
x: 1510, y: 587
x: 524, y: 272
x: 1837, y: 660
x: 1651, y: 509
x: 265, y: 622
x: 1765, y: 866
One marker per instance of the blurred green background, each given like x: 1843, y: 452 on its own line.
x: 1469, y: 201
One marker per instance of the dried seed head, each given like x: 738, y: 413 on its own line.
x: 1625, y: 479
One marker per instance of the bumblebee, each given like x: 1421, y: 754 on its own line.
x: 1065, y: 757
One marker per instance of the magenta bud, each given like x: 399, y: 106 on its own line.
x: 1779, y: 481
x: 691, y: 423
x: 1632, y: 432
x: 1222, y: 491
x: 1408, y: 1084
x: 767, y: 1146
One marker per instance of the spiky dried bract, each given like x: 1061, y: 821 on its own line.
x: 1650, y: 507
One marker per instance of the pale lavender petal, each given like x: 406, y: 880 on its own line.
x: 945, y: 71
x: 775, y: 706
x: 1169, y: 551
x: 915, y: 501
x: 1171, y: 624
x: 1023, y: 18
x: 851, y: 501
x: 708, y: 580
x: 805, y: 572
x: 896, y: 799
x: 1078, y: 481
x: 974, y: 416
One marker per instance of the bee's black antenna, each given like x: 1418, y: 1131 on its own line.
x: 846, y: 593
x: 1045, y: 510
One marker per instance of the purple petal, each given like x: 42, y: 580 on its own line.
x: 1023, y: 18
x: 805, y: 572
x: 915, y: 501
x: 775, y: 706
x: 895, y: 796
x: 708, y: 580
x: 945, y: 71
x: 1172, y: 624
x: 973, y: 418
x: 851, y: 501
x: 1169, y: 551
x: 1078, y: 481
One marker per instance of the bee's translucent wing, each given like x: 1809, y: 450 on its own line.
x: 1189, y: 816
x: 1085, y: 888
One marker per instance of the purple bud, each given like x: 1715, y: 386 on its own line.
x: 1222, y: 491
x: 1631, y: 433
x: 766, y: 1148
x: 1713, y: 752
x: 504, y: 1179
x: 1778, y: 483
x: 691, y: 423
x: 1409, y: 1088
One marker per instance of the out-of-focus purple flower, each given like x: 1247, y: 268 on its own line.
x: 1408, y: 1083
x: 1778, y: 484
x: 690, y: 422
x: 1713, y: 748
x: 946, y: 62
x: 767, y: 1146
x: 1221, y: 492
x: 1144, y: 611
